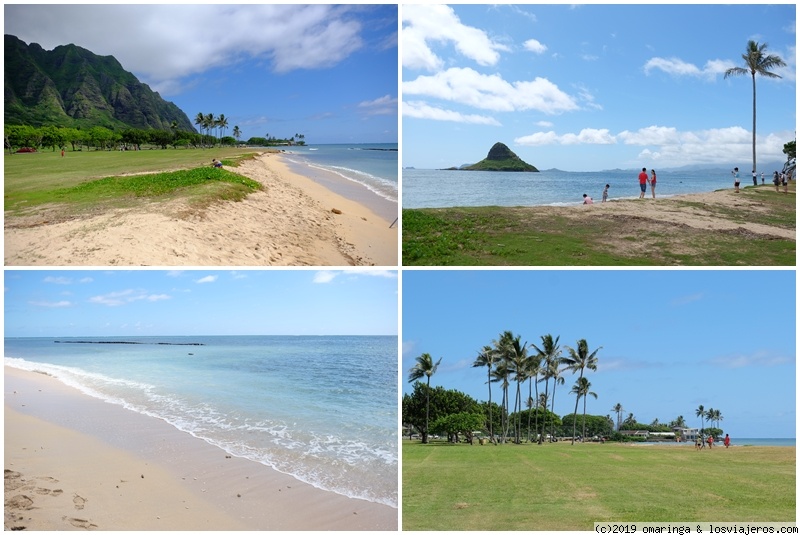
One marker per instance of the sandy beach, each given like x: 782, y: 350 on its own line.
x: 75, y: 462
x: 294, y: 222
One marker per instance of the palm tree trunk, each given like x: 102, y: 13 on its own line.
x: 584, y: 418
x: 754, y: 123
x: 489, y: 382
x: 575, y: 417
x: 427, y: 410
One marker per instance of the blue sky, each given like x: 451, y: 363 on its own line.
x: 152, y: 303
x: 671, y: 340
x: 593, y: 87
x: 328, y: 72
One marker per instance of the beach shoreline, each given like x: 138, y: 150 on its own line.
x: 74, y: 461
x: 294, y: 221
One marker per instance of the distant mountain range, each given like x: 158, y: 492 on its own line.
x: 744, y: 169
x: 71, y: 86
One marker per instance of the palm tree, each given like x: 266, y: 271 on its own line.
x: 679, y: 422
x: 619, y: 410
x: 486, y: 357
x: 209, y: 122
x: 424, y: 368
x: 555, y: 373
x: 549, y: 352
x: 701, y: 412
x: 237, y: 133
x: 222, y: 123
x: 579, y: 360
x: 581, y: 388
x: 199, y: 120
x: 500, y: 374
x: 517, y: 355
x: 532, y: 366
x: 756, y: 62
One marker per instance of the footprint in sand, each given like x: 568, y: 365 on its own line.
x: 79, y: 502
x: 81, y: 523
x: 19, y: 502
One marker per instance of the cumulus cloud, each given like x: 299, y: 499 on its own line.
x: 206, y: 279
x: 323, y: 277
x: 421, y: 110
x: 678, y: 67
x: 58, y: 280
x: 425, y: 24
x: 165, y: 43
x: 534, y: 46
x: 666, y: 145
x: 491, y: 92
x: 587, y: 136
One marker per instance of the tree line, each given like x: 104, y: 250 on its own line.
x: 513, y: 364
x: 212, y: 133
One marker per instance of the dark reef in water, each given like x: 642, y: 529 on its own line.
x: 126, y: 342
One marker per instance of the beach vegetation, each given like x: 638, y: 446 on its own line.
x: 756, y: 61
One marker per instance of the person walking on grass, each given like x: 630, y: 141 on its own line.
x: 735, y: 174
x: 643, y: 182
x: 710, y: 441
x: 653, y: 182
x: 755, y: 178
x: 727, y: 440
x: 776, y: 179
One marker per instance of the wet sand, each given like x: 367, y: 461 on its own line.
x: 75, y: 462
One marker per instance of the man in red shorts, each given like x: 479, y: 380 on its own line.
x: 643, y: 182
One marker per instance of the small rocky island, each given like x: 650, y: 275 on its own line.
x: 500, y: 158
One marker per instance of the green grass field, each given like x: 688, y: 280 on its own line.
x: 508, y: 236
x: 113, y: 178
x: 565, y: 487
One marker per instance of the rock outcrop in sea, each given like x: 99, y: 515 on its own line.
x: 501, y: 158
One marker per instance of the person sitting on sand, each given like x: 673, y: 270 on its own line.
x: 587, y: 199
x: 605, y: 193
x: 215, y: 163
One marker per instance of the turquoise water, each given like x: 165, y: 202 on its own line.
x: 373, y: 166
x: 763, y: 441
x: 428, y: 188
x: 320, y: 408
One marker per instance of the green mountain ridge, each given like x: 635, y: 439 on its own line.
x: 73, y: 87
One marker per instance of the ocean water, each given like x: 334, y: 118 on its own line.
x: 428, y: 188
x: 763, y: 441
x: 373, y: 166
x: 320, y: 408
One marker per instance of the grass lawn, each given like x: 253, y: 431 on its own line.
x: 113, y: 178
x: 565, y: 487
x: 542, y: 236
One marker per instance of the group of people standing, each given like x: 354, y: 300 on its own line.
x: 645, y: 179
x: 710, y: 440
x: 777, y: 180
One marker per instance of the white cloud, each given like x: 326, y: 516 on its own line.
x: 423, y: 24
x: 587, y: 136
x: 535, y: 46
x: 421, y: 110
x: 206, y: 279
x: 50, y: 304
x: 323, y: 277
x: 490, y: 92
x: 760, y: 359
x: 151, y: 40
x: 123, y: 297
x: 678, y: 67
x: 385, y: 105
